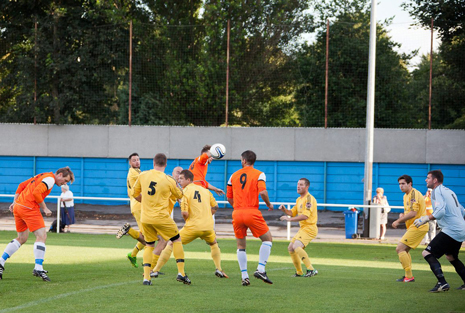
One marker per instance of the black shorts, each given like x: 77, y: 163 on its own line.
x: 444, y: 244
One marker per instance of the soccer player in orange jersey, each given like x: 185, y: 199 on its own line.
x: 199, y: 168
x: 29, y: 199
x: 244, y: 187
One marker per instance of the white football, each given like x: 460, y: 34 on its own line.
x: 218, y: 151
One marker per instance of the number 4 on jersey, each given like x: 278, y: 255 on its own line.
x: 197, y: 196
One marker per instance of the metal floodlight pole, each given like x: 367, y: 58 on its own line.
x: 430, y: 75
x: 35, y: 70
x: 327, y: 73
x: 227, y: 74
x: 368, y: 180
x: 130, y: 75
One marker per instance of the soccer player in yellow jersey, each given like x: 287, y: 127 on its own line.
x: 154, y: 189
x: 414, y: 208
x: 133, y: 174
x: 304, y: 212
x: 197, y: 206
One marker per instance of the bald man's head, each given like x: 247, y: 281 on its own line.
x: 176, y: 171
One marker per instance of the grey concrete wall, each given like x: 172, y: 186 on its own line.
x: 287, y: 144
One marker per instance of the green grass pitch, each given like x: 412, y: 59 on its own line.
x: 90, y: 273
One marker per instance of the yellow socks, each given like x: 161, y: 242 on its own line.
x: 154, y: 261
x: 296, y: 261
x: 164, y: 257
x: 304, y: 257
x: 216, y: 256
x: 406, y: 261
x: 136, y: 249
x: 147, y: 263
x: 178, y: 252
x: 134, y: 233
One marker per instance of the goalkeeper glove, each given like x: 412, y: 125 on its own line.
x: 420, y: 221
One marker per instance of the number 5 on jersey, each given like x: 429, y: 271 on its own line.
x: 152, y: 190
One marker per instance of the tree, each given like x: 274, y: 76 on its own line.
x: 447, y: 95
x: 348, y: 70
x: 449, y: 74
x: 261, y: 40
x: 186, y: 83
x: 73, y: 70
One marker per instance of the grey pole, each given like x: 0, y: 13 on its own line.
x: 372, y: 215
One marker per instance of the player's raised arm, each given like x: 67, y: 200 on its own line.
x: 218, y: 191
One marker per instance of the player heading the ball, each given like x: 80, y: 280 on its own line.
x: 199, y: 168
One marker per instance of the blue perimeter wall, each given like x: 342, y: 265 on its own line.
x: 331, y: 182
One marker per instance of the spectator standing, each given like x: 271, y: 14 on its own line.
x: 67, y: 207
x: 381, y: 199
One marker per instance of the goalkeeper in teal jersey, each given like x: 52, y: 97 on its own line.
x: 449, y: 213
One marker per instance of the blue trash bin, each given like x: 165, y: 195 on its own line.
x: 351, y: 220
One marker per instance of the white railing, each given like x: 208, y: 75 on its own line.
x: 288, y: 205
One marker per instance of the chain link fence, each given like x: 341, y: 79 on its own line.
x: 219, y: 75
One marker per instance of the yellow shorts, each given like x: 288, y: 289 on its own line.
x: 305, y: 235
x: 136, y: 215
x: 166, y: 228
x: 188, y: 235
x: 413, y: 236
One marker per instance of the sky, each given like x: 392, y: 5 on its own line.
x: 401, y: 31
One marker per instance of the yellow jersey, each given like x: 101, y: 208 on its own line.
x: 198, y: 201
x: 133, y: 173
x: 307, y: 206
x: 173, y: 200
x: 414, y: 201
x: 156, y: 189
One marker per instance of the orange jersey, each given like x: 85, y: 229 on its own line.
x: 34, y: 190
x: 199, y: 168
x: 429, y: 206
x: 244, y: 187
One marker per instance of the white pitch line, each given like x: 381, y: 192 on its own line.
x: 63, y: 295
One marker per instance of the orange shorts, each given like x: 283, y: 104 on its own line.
x: 27, y: 219
x: 248, y: 219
